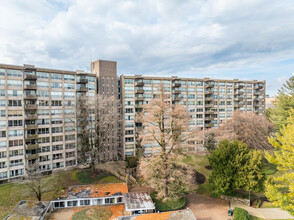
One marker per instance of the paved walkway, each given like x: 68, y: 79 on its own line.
x: 266, y: 213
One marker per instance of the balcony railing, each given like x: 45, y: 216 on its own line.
x: 82, y: 89
x: 82, y: 81
x: 31, y: 106
x: 139, y: 84
x: 30, y: 77
x: 139, y: 91
x: 31, y: 117
x: 30, y: 86
x: 30, y: 96
x: 176, y: 84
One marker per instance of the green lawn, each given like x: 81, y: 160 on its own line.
x: 12, y: 193
x: 198, y: 163
x: 168, y: 204
x: 100, y: 213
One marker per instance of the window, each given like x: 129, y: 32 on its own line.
x: 41, y: 84
x: 13, y: 153
x: 3, y: 175
x: 2, y: 92
x: 42, y: 93
x: 2, y: 124
x: 3, y: 113
x: 42, y: 75
x: 16, y: 83
x: 69, y: 94
x: 14, y: 103
x: 2, y: 103
x: 57, y: 138
x: 43, y: 121
x: 3, y: 154
x: 129, y: 81
x: 15, y: 133
x: 13, y: 123
x: 14, y: 73
x: 15, y: 143
x: 85, y: 202
x: 2, y: 72
x: 70, y: 137
x: 56, y: 94
x: 69, y: 86
x: 3, y: 144
x: 57, y: 130
x: 17, y: 93
x: 69, y: 77
x: 14, y: 173
x: 72, y: 203
x: 56, y: 76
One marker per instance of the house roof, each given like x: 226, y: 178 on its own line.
x: 138, y: 201
x: 29, y: 210
x: 94, y: 191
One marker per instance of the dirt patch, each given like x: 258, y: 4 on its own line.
x: 208, y: 167
x: 197, y: 178
x: 207, y: 208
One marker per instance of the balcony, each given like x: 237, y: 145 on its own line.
x: 209, y: 99
x: 31, y: 146
x: 209, y: 85
x: 258, y: 93
x: 138, y: 106
x: 82, y: 81
x: 31, y: 136
x: 32, y: 156
x: 141, y: 98
x: 258, y: 99
x: 258, y: 105
x: 30, y: 96
x: 82, y: 89
x: 177, y: 91
x: 139, y: 84
x: 239, y: 93
x: 238, y: 99
x: 176, y: 84
x: 31, y: 126
x: 30, y: 77
x: 31, y: 117
x: 209, y: 118
x: 209, y: 125
x: 239, y: 86
x: 210, y: 112
x: 31, y: 106
x: 208, y: 105
x: 139, y: 91
x: 209, y: 92
x: 258, y: 87
x: 30, y: 86
x: 177, y: 98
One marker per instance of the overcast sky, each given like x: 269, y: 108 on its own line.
x: 251, y: 39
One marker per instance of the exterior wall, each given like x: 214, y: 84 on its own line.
x: 107, y: 86
x: 41, y: 129
x: 69, y: 203
x: 210, y: 102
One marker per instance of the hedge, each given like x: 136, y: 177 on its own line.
x: 241, y: 214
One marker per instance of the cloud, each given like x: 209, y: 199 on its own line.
x: 223, y: 38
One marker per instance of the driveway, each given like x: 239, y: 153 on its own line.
x: 266, y: 213
x: 207, y: 208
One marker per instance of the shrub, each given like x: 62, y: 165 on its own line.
x: 241, y: 214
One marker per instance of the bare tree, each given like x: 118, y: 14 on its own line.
x: 167, y: 126
x: 250, y: 128
x: 37, y: 183
x: 97, y: 125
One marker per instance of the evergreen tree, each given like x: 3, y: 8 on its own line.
x: 235, y: 166
x: 285, y: 103
x: 280, y: 190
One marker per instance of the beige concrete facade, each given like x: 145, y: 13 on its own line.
x: 37, y: 117
x: 210, y: 102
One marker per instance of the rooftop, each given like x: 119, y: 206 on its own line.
x: 29, y: 210
x: 138, y: 201
x: 94, y: 191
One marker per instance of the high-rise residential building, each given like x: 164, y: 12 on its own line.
x: 38, y: 110
x: 209, y: 101
x: 37, y: 121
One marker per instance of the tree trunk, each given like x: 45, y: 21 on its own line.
x: 166, y: 194
x: 92, y: 165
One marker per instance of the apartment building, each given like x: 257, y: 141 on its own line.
x: 209, y: 101
x: 37, y: 121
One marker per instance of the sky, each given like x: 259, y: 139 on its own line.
x: 222, y: 39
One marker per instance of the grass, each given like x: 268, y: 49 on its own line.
x: 100, y: 213
x: 266, y: 204
x: 12, y: 193
x: 168, y: 204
